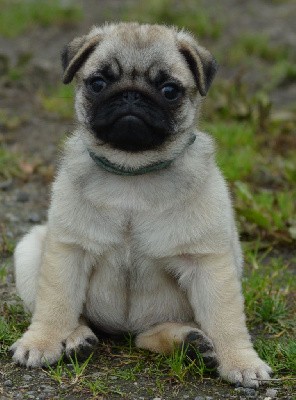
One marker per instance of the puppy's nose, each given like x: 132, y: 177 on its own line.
x: 131, y: 97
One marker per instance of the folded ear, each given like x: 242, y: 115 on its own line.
x: 76, y: 53
x: 200, y: 61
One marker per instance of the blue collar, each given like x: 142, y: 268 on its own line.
x: 128, y: 171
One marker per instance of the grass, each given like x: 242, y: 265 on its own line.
x: 269, y: 288
x: 279, y: 354
x: 267, y: 297
x: 256, y: 150
x: 268, y: 210
x: 13, y: 166
x: 72, y: 371
x: 186, y: 13
x: 13, y: 321
x: 9, y: 163
x: 237, y: 148
x: 9, y: 159
x: 19, y: 16
x: 59, y: 101
x: 3, y: 273
x: 6, y: 244
x: 257, y: 45
x: 158, y: 369
x: 282, y: 73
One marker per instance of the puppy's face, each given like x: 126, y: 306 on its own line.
x: 138, y: 86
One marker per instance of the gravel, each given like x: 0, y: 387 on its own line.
x: 272, y: 393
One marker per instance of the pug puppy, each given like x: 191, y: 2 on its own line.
x: 141, y: 235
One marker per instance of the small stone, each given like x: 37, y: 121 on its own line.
x: 6, y: 185
x: 157, y: 398
x: 22, y: 197
x: 34, y: 217
x: 186, y: 396
x: 47, y: 389
x: 250, y: 392
x: 4, y: 64
x: 8, y: 382
x: 12, y: 218
x: 63, y: 386
x: 41, y: 68
x: 27, y: 378
x: 209, y: 398
x: 199, y: 398
x: 271, y: 393
x: 9, y: 279
x: 247, y: 391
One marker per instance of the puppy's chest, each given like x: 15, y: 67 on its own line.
x: 151, y: 234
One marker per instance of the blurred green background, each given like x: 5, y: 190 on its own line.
x: 250, y: 108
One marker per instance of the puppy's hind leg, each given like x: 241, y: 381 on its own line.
x: 27, y: 262
x: 165, y: 337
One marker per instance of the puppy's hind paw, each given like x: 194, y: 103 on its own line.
x: 81, y: 342
x: 199, y: 343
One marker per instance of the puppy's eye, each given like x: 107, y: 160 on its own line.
x: 171, y: 92
x: 97, y: 84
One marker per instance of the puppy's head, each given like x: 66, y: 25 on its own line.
x: 138, y: 86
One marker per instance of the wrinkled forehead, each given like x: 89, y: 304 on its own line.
x: 137, y: 53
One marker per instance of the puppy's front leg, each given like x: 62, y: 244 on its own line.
x: 214, y: 292
x: 60, y: 297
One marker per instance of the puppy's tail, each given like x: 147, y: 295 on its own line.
x: 27, y: 262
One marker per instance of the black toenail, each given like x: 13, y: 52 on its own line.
x: 211, y: 362
x: 192, y: 353
x: 91, y: 341
x: 80, y: 348
x: 203, y: 347
x: 192, y: 336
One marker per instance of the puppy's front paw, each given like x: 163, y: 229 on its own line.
x: 245, y: 371
x: 35, y: 349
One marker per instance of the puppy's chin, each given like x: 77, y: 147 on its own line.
x: 130, y: 133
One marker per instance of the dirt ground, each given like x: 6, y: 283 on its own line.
x: 38, y: 133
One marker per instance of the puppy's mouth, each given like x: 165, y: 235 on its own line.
x: 130, y: 123
x: 130, y: 132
